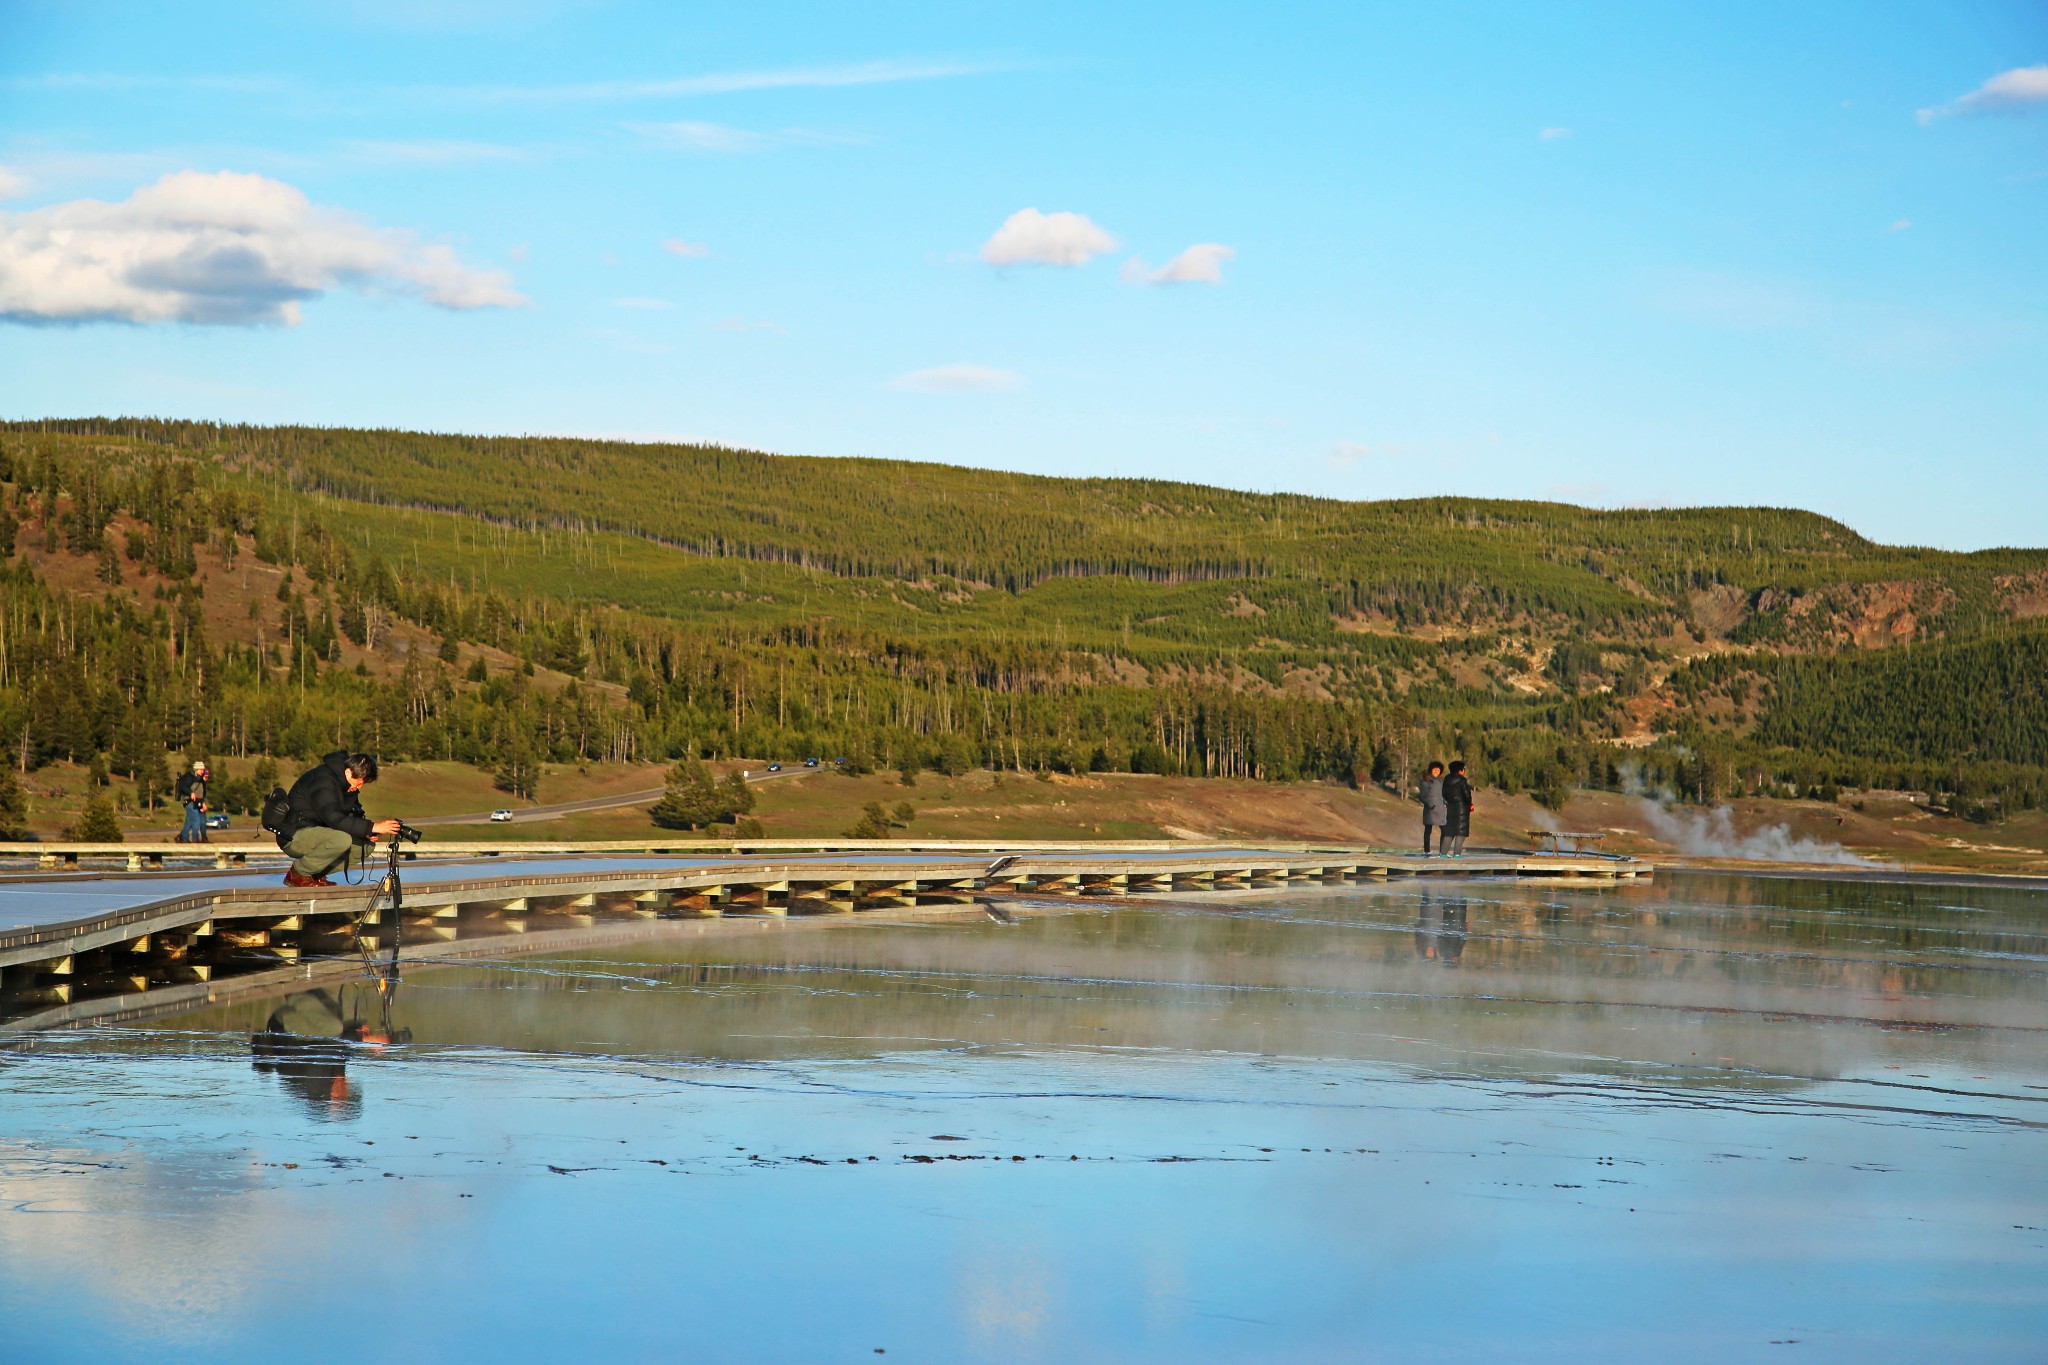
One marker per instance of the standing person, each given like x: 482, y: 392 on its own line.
x: 192, y: 796
x: 1434, y: 812
x: 327, y: 823
x: 1458, y: 804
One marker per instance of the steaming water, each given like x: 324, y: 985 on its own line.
x: 1696, y: 1120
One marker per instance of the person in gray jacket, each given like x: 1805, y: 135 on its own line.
x: 1434, y: 811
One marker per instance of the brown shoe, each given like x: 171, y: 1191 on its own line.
x: 292, y: 878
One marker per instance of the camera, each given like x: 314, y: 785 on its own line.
x: 408, y: 833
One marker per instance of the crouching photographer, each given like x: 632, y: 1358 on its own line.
x: 320, y: 823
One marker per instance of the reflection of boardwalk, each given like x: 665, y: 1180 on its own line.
x: 72, y: 939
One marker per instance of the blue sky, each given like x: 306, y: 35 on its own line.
x: 1621, y: 254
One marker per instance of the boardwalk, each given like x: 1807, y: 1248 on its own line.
x: 84, y: 945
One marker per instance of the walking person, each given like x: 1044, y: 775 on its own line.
x: 326, y: 823
x: 1457, y: 810
x: 1434, y: 812
x: 192, y: 796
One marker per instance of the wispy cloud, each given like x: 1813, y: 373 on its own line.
x: 1725, y: 298
x: 12, y: 183
x: 884, y: 71
x: 723, y: 139
x: 888, y: 71
x: 958, y: 379
x: 112, y: 81
x: 1554, y: 133
x: 1201, y: 263
x: 630, y: 341
x: 226, y: 249
x: 2009, y: 92
x: 1899, y: 225
x: 1348, y: 453
x: 676, y: 246
x: 1028, y: 237
x: 430, y: 152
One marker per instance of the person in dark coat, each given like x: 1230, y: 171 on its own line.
x: 1434, y: 812
x: 327, y: 823
x: 1457, y: 810
x: 191, y: 790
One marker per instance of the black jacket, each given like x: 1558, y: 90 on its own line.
x: 191, y: 788
x: 1458, y: 800
x: 322, y: 797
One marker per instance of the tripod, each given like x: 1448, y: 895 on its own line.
x: 390, y: 888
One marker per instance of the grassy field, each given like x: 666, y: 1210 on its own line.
x: 989, y: 806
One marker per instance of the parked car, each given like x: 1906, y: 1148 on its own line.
x: 501, y: 816
x: 774, y: 767
x: 218, y: 820
x: 810, y: 763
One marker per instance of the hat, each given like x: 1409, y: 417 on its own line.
x: 198, y: 765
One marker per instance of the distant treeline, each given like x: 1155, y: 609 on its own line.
x: 388, y: 652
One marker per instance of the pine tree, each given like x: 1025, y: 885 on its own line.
x: 97, y: 823
x: 874, y: 823
x: 738, y: 797
x: 13, y: 808
x: 518, y: 772
x: 691, y: 797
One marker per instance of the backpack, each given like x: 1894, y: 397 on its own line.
x: 277, y: 811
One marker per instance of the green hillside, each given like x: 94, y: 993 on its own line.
x: 244, y: 590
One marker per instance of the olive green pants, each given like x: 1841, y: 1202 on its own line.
x: 316, y: 850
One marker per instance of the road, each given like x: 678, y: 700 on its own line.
x: 532, y: 815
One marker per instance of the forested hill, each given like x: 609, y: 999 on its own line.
x: 172, y: 586
x: 1437, y: 560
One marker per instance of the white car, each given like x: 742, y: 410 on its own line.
x: 501, y: 817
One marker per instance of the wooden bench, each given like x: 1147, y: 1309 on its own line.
x: 1558, y: 837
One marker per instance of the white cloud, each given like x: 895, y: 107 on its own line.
x: 1348, y: 453
x: 1201, y: 263
x: 1030, y: 237
x: 676, y: 246
x: 2009, y: 92
x: 958, y: 379
x: 644, y: 305
x: 1553, y: 133
x: 1900, y: 225
x: 223, y: 248
x: 12, y: 183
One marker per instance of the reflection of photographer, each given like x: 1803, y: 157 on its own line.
x: 305, y: 1043
x: 325, y: 824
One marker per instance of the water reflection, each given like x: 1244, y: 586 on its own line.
x: 1441, y: 924
x: 1721, y: 981
x: 309, y: 1037
x: 1686, y: 1120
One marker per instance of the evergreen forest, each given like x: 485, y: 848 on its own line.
x: 178, y: 588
